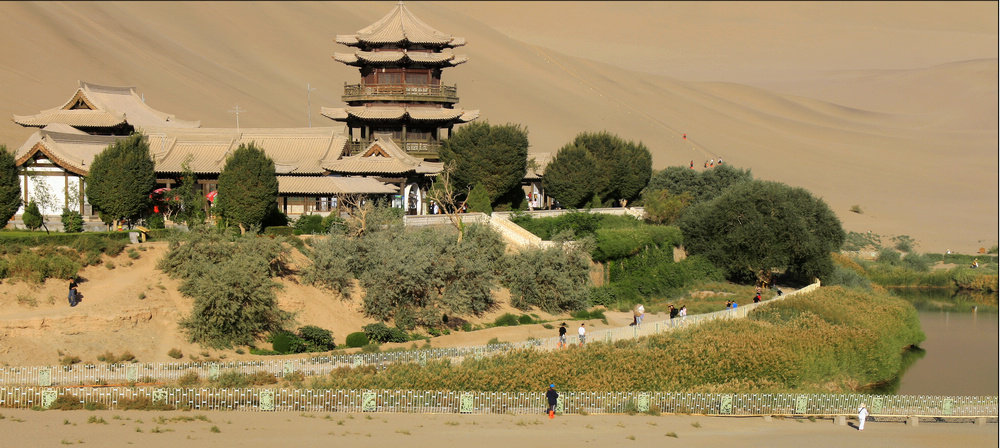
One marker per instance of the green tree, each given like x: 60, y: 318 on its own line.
x: 234, y: 303
x: 702, y: 186
x: 479, y: 200
x: 121, y: 178
x: 193, y: 202
x: 32, y: 217
x: 10, y: 187
x: 662, y: 207
x: 570, y: 176
x: 494, y: 156
x: 248, y: 187
x: 553, y: 279
x: 759, y: 227
x: 624, y: 167
x: 72, y: 221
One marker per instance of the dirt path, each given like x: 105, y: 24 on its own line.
x: 238, y: 429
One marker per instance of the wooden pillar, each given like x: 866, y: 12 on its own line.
x: 81, y: 195
x: 65, y: 189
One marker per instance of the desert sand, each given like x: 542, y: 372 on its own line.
x: 237, y: 429
x: 890, y: 106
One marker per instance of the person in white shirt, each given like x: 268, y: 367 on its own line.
x: 862, y: 416
x: 583, y: 334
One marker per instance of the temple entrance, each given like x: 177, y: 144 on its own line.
x: 414, y: 199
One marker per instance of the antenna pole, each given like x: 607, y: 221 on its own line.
x: 237, y: 111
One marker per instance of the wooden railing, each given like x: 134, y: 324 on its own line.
x: 421, y: 92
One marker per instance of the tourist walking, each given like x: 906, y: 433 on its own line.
x: 562, y: 335
x: 683, y: 313
x: 73, y: 293
x: 862, y: 416
x: 583, y: 334
x: 553, y: 398
x: 639, y: 312
x: 674, y: 312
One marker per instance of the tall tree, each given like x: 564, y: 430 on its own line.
x: 10, y: 187
x: 495, y: 156
x: 624, y: 167
x: 192, y: 210
x: 759, y: 227
x: 121, y: 178
x: 702, y: 186
x: 570, y: 176
x: 248, y: 187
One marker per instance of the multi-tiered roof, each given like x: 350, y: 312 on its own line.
x: 400, y: 95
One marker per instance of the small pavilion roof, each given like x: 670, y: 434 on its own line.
x: 400, y: 27
x: 97, y: 106
x: 69, y: 148
x: 367, y: 58
x: 383, y: 156
x: 399, y: 112
x: 333, y: 185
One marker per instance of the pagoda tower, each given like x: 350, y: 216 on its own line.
x: 400, y: 96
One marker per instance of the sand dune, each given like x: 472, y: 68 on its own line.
x: 890, y: 106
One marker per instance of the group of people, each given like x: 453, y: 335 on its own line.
x: 581, y: 334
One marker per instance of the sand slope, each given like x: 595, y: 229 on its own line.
x: 889, y: 106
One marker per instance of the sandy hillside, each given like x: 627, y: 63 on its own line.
x: 891, y: 106
x: 135, y: 307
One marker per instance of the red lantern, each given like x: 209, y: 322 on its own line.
x: 156, y: 209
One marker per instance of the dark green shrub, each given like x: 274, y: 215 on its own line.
x: 310, y: 224
x: 32, y: 217
x: 156, y: 221
x: 506, y: 320
x: 28, y: 266
x: 356, y: 339
x: 604, y: 295
x: 317, y: 339
x: 72, y: 221
x: 334, y: 224
x: 379, y: 332
x: 525, y: 319
x: 281, y: 342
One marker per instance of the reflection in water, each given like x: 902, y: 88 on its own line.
x: 960, y: 355
x: 891, y: 387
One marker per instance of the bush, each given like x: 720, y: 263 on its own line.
x: 525, y: 319
x: 175, y: 353
x: 189, y: 379
x: 279, y: 231
x: 506, y: 320
x: 317, y: 339
x: 32, y: 217
x: 72, y: 221
x: 156, y: 221
x: 284, y: 342
x: 356, y: 339
x: 309, y: 224
x: 379, y: 332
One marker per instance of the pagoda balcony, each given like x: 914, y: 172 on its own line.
x: 420, y: 148
x: 400, y: 92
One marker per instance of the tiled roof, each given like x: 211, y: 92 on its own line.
x: 383, y: 156
x: 359, y: 58
x: 542, y: 160
x: 293, y: 150
x: 319, y: 185
x: 72, y: 150
x: 104, y: 106
x: 397, y: 27
x: 398, y: 112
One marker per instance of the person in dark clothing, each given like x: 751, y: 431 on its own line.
x: 553, y: 398
x: 562, y: 335
x: 756, y: 298
x: 73, y: 293
x: 673, y: 312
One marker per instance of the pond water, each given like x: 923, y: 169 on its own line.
x: 962, y: 351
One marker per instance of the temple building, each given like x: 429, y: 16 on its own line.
x: 400, y: 96
x: 387, y: 146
